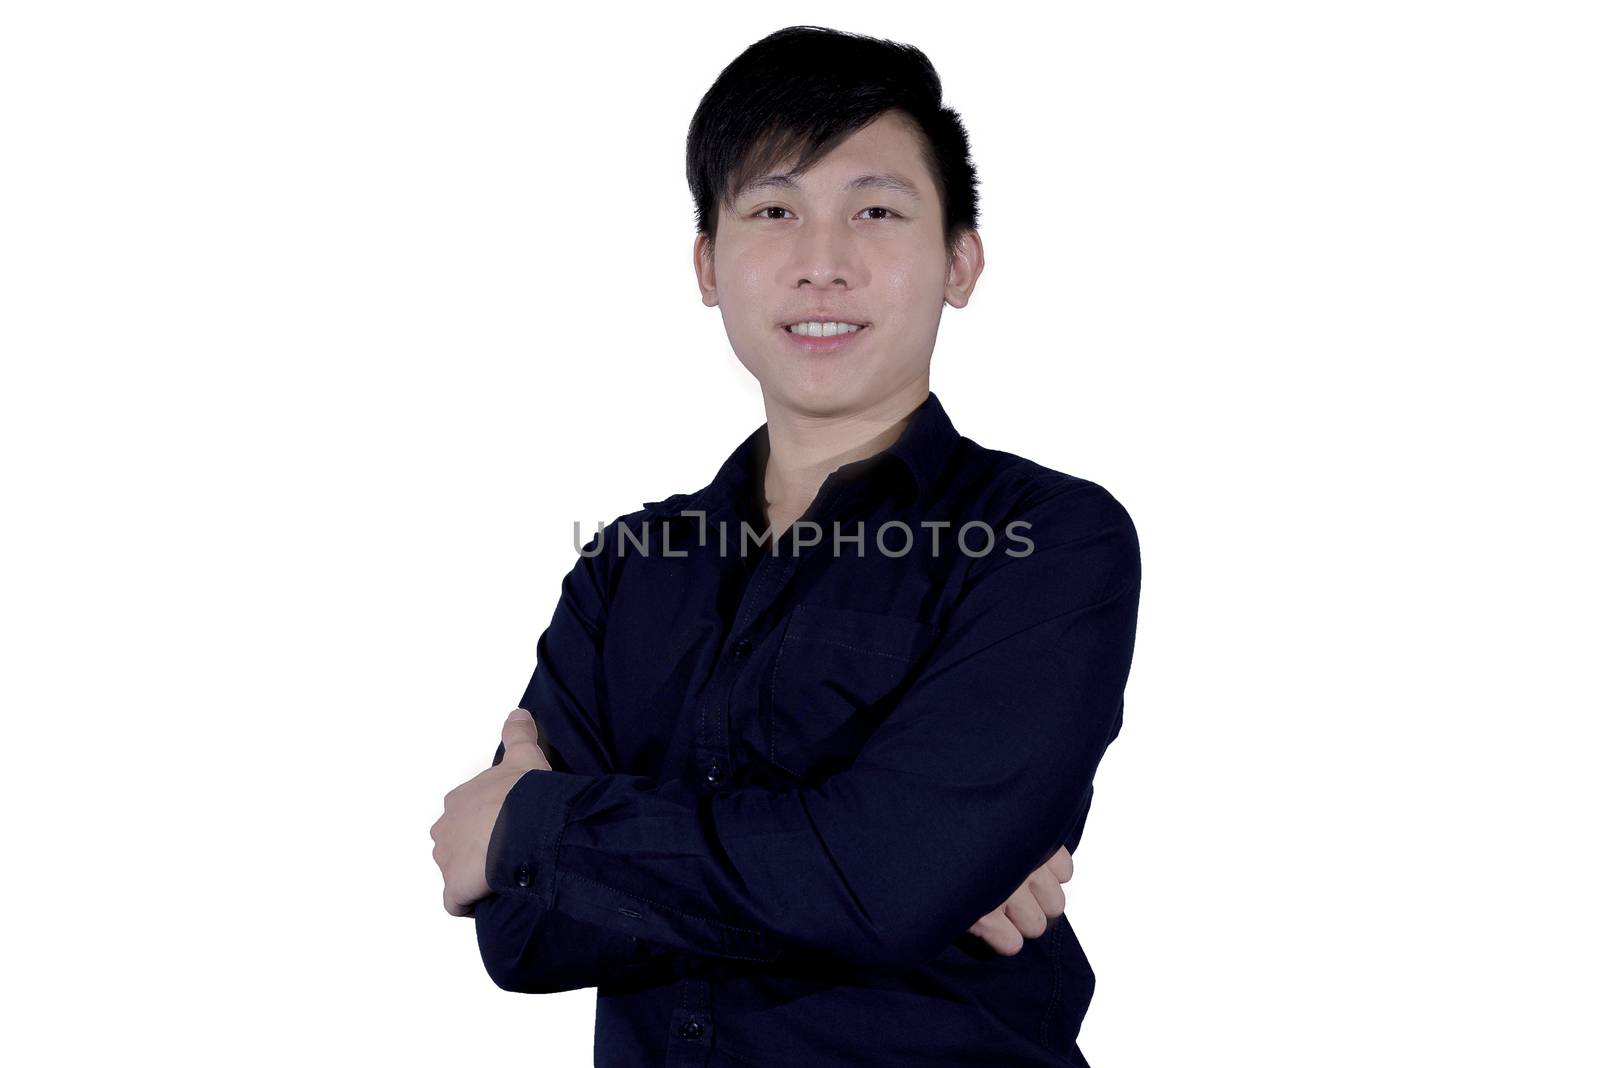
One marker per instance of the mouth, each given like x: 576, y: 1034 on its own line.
x: 832, y: 338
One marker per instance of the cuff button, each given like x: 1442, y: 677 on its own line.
x: 523, y: 875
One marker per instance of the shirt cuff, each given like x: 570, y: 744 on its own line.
x: 523, y: 845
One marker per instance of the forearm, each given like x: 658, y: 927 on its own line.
x: 530, y: 950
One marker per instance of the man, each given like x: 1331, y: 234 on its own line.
x: 808, y: 800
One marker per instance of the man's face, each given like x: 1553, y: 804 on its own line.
x: 825, y: 247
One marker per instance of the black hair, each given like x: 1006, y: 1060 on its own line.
x: 800, y: 92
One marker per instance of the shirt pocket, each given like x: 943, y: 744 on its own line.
x: 836, y: 673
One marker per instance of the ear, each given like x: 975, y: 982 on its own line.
x: 965, y: 267
x: 705, y: 269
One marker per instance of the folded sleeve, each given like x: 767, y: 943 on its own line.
x: 524, y: 946
x: 981, y: 770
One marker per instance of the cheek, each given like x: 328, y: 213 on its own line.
x: 912, y: 298
x: 910, y: 275
x: 744, y: 291
x: 744, y: 266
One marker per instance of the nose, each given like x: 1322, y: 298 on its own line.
x: 825, y: 256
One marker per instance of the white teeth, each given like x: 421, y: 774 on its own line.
x: 823, y: 329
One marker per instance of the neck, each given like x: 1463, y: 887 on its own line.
x: 804, y: 449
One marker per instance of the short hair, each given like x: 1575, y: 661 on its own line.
x: 800, y: 92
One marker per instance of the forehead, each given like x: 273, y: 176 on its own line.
x: 885, y: 180
x: 884, y: 155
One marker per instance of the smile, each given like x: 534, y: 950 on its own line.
x: 823, y: 329
x: 824, y: 336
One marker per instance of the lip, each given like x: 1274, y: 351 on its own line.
x: 824, y: 344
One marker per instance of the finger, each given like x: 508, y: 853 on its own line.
x: 457, y: 908
x: 1048, y: 893
x: 1060, y: 865
x: 1000, y: 933
x: 519, y: 729
x: 1025, y: 914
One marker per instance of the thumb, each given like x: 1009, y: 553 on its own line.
x: 519, y: 727
x: 1060, y: 865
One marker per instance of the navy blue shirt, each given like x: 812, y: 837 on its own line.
x: 788, y: 776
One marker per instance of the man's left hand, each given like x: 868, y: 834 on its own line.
x: 461, y: 835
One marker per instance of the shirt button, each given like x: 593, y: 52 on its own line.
x: 741, y: 648
x: 714, y: 772
x: 523, y: 875
x: 691, y: 1030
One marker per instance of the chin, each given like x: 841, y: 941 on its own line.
x: 819, y: 394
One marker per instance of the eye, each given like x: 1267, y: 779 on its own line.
x: 761, y: 213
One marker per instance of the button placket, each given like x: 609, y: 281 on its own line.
x: 689, y: 1040
x: 772, y: 576
x: 714, y: 742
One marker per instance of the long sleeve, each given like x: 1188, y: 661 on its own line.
x: 982, y: 768
x: 525, y: 947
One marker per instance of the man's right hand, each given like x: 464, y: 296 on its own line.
x: 1024, y: 913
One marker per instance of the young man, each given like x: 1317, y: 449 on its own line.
x: 808, y: 801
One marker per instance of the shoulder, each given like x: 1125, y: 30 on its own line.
x: 602, y: 547
x: 1063, y: 515
x: 652, y: 536
x: 666, y: 508
x: 648, y: 517
x: 1027, y: 489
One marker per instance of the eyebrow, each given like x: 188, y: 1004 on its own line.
x: 890, y: 181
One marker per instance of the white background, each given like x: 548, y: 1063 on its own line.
x: 323, y: 322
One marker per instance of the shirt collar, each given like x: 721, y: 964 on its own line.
x: 917, y: 458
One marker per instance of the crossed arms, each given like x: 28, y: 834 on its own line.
x: 1004, y: 725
